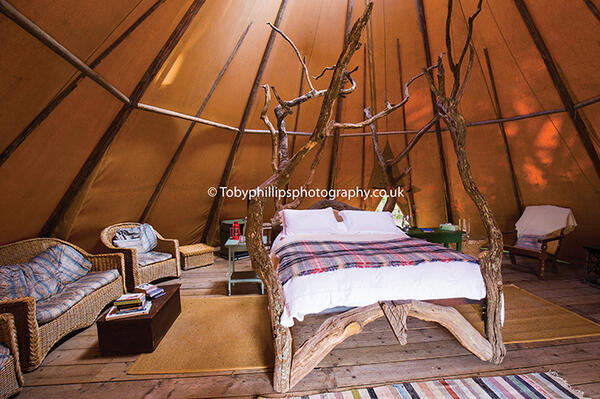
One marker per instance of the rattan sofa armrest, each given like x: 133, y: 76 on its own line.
x: 115, y: 260
x: 129, y: 256
x: 8, y: 338
x: 167, y: 245
x: 25, y: 321
x: 131, y: 267
x: 7, y: 326
x: 101, y: 262
x: 170, y: 246
x: 21, y: 308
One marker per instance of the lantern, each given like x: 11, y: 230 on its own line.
x: 235, y: 231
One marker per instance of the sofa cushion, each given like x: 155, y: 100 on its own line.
x: 58, y: 304
x: 35, y: 278
x: 148, y: 258
x: 71, y: 265
x: 94, y: 280
x: 142, y: 238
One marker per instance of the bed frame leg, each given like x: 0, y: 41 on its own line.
x: 333, y: 331
x: 396, y: 313
x: 283, y: 359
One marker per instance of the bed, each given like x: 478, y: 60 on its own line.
x: 360, y: 261
x: 319, y: 289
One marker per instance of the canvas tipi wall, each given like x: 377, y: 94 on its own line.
x: 75, y: 159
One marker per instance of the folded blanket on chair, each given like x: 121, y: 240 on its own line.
x: 301, y: 258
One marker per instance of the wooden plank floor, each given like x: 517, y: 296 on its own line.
x: 76, y: 369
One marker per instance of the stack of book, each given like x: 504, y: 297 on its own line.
x: 151, y: 290
x: 129, y: 305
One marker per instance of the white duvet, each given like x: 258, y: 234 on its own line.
x: 360, y: 287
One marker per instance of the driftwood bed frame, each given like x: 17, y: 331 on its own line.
x: 290, y: 367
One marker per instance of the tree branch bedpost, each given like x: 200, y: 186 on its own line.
x: 282, y: 337
x: 447, y: 106
x: 283, y: 167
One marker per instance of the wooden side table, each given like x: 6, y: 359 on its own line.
x: 196, y: 255
x: 592, y: 265
x: 444, y: 237
x: 233, y: 277
x: 139, y: 334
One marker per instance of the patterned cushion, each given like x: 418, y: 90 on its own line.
x: 35, y: 278
x: 145, y: 259
x: 142, y: 238
x: 529, y: 242
x: 94, y: 280
x: 51, y: 308
x: 4, y: 356
x: 71, y: 264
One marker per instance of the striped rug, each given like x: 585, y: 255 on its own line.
x: 534, y: 386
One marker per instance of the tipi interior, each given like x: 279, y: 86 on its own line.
x: 153, y: 112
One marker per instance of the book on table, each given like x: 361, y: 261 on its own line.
x: 129, y: 297
x: 151, y: 290
x: 114, y: 312
x: 127, y: 301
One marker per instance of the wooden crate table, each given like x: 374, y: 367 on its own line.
x: 140, y: 334
x: 196, y: 255
x: 444, y: 237
x: 233, y: 277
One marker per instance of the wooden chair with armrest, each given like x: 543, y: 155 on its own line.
x: 539, y: 234
x: 547, y: 252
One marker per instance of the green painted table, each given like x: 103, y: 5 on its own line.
x: 438, y: 236
x: 233, y: 277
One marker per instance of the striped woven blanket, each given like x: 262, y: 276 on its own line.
x: 300, y: 258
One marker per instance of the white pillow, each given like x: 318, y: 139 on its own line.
x: 310, y: 221
x: 370, y: 222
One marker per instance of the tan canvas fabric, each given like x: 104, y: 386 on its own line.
x: 551, y: 164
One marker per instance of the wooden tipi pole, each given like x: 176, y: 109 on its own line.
x: 210, y: 228
x: 93, y: 160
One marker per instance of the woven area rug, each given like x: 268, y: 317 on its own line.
x: 530, y: 386
x: 530, y: 318
x: 234, y: 333
x: 213, y: 334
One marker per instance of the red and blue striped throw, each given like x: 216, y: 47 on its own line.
x: 523, y: 386
x: 300, y: 258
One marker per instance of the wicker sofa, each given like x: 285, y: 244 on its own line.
x: 135, y: 274
x: 11, y: 379
x: 38, y: 329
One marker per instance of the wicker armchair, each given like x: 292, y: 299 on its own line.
x: 11, y: 379
x: 35, y: 341
x: 135, y: 274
